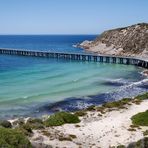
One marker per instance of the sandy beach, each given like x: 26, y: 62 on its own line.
x: 95, y: 130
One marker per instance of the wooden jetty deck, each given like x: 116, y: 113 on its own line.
x: 78, y: 56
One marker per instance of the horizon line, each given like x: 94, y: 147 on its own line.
x: 48, y: 34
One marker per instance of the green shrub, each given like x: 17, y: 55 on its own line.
x: 136, y: 101
x: 117, y: 104
x: 5, y: 124
x: 35, y: 123
x: 145, y: 133
x: 125, y: 101
x: 142, y: 97
x: 143, y: 143
x: 61, y: 118
x: 140, y: 119
x: 34, y: 120
x: 100, y: 109
x: 25, y: 129
x: 111, y: 104
x: 121, y: 146
x: 11, y: 138
x: 80, y: 113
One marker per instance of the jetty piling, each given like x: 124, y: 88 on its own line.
x: 78, y: 56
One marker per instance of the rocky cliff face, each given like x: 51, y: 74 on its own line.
x: 129, y: 41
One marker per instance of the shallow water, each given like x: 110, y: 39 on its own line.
x: 34, y: 86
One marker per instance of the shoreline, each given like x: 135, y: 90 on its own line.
x: 97, y: 128
x: 111, y: 129
x: 104, y: 126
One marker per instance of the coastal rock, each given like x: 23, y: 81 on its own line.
x: 129, y: 41
x: 5, y: 124
x: 145, y: 72
x: 85, y: 44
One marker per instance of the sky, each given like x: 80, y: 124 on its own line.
x: 69, y: 16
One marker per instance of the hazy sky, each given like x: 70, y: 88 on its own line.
x: 69, y: 16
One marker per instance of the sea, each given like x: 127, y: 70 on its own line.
x: 35, y: 86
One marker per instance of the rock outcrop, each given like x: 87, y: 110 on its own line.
x: 128, y: 41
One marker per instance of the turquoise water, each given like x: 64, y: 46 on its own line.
x: 30, y: 86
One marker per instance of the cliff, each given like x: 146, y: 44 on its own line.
x: 128, y: 41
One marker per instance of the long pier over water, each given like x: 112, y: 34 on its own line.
x: 78, y: 56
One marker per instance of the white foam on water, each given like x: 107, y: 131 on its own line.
x: 130, y: 90
x: 138, y: 83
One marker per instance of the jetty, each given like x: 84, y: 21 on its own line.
x: 77, y: 56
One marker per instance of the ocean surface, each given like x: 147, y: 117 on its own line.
x: 32, y: 86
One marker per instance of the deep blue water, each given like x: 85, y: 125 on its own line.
x: 32, y: 86
x: 44, y: 42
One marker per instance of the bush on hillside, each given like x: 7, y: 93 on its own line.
x: 61, y: 118
x: 35, y: 123
x: 5, y: 123
x: 117, y: 104
x: 143, y: 143
x: 140, y: 119
x: 11, y: 138
x: 142, y: 97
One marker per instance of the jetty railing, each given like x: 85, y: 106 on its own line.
x: 78, y: 56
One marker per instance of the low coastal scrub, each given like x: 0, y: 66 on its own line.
x: 142, y: 97
x: 81, y: 113
x: 121, y: 146
x: 140, y: 119
x: 5, y: 123
x: 117, y: 104
x: 61, y: 118
x: 143, y: 143
x: 121, y: 104
x: 25, y: 129
x: 35, y: 123
x: 145, y: 133
x: 11, y: 138
x: 31, y: 124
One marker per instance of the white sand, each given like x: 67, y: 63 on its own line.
x: 111, y: 129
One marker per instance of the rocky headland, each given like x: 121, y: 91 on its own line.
x: 127, y: 41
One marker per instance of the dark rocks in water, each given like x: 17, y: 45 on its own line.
x: 113, y: 83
